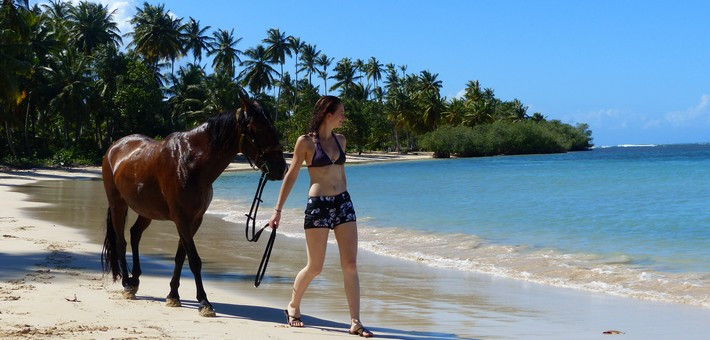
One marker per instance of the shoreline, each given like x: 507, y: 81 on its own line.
x: 240, y: 164
x: 43, y: 261
x: 52, y: 287
x: 51, y: 284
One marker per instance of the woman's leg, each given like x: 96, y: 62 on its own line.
x: 346, y: 235
x: 316, y: 244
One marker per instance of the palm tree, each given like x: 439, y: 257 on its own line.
x: 296, y: 46
x: 360, y: 67
x: 278, y: 47
x: 360, y: 92
x: 324, y: 62
x: 156, y: 35
x: 538, y: 117
x: 518, y: 112
x: 398, y: 107
x: 429, y: 83
x: 472, y: 92
x: 91, y: 25
x: 345, y: 76
x: 378, y: 94
x: 404, y: 70
x: 309, y: 57
x: 15, y: 62
x: 454, y: 112
x: 225, y: 52
x: 257, y: 74
x: 108, y: 65
x: 480, y: 112
x: 187, y: 96
x: 288, y: 92
x: 373, y: 70
x: 392, y: 80
x: 195, y: 39
x: 58, y: 14
x: 429, y: 99
x: 68, y: 81
x: 56, y: 10
x: 488, y: 94
x: 222, y: 93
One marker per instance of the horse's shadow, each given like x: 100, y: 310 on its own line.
x: 28, y: 265
x: 274, y: 315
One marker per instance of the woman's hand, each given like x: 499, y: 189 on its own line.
x: 275, y: 219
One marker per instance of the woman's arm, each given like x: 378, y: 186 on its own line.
x: 299, y: 154
x: 343, y: 143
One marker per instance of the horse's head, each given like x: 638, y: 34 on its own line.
x: 259, y: 141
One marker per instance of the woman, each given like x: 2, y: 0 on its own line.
x: 329, y: 207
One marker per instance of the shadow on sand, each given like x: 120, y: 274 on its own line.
x: 16, y: 266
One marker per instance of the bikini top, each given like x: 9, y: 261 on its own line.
x: 320, y: 158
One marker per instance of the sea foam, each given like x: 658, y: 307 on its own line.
x: 614, y: 275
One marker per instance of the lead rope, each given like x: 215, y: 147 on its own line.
x: 251, y: 217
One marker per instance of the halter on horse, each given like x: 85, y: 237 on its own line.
x: 172, y: 180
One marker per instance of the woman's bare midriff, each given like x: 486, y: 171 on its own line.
x: 327, y: 180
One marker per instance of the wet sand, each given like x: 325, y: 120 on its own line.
x: 400, y: 299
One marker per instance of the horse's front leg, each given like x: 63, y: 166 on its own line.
x: 136, y: 232
x: 173, y: 299
x: 187, y: 232
x: 196, y: 269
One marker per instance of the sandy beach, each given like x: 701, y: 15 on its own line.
x: 51, y: 285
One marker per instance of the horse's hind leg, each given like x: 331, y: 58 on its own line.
x: 173, y: 299
x: 136, y: 232
x: 118, y: 218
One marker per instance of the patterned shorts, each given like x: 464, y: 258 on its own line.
x: 329, y: 211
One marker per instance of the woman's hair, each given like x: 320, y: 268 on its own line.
x: 324, y: 106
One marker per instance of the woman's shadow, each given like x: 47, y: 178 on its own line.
x: 274, y: 315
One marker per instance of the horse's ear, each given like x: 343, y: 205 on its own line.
x: 244, y: 99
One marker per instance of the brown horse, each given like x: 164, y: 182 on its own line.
x: 172, y: 180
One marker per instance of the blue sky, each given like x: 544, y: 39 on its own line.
x: 637, y: 71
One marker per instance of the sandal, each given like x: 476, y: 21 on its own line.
x: 290, y: 319
x: 361, y: 331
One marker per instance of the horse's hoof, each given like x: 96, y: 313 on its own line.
x: 207, y: 312
x: 171, y: 302
x: 129, y: 295
x: 130, y: 289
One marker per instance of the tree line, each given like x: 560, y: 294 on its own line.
x: 69, y: 87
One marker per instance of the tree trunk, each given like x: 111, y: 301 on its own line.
x: 9, y: 140
x: 295, y: 98
x: 397, y: 147
x: 27, y: 114
x: 276, y: 107
x: 65, y: 133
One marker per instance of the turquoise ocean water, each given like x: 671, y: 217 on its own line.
x: 629, y: 221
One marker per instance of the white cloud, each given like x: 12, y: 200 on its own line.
x: 460, y: 94
x: 124, y: 11
x: 693, y: 116
x: 603, y: 117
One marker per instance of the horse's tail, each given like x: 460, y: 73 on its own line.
x: 109, y: 260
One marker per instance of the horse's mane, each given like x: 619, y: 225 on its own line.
x: 222, y: 130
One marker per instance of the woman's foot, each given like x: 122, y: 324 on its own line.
x: 293, y: 319
x: 358, y: 329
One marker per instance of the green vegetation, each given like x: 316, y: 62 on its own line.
x: 68, y: 90
x: 502, y: 138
